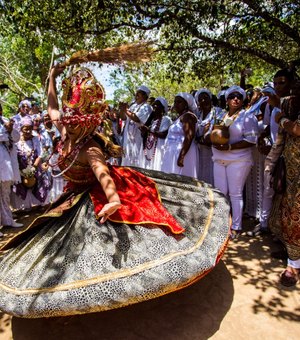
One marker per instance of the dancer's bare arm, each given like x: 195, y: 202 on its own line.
x: 96, y: 160
x: 53, y: 107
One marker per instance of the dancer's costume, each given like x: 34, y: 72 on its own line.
x: 170, y: 231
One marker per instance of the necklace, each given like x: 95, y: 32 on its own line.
x: 229, y: 120
x: 151, y: 142
x: 73, y: 153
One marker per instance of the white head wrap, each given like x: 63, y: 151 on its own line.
x: 26, y: 121
x: 190, y: 101
x: 25, y: 102
x: 233, y: 89
x: 268, y: 89
x: 269, y: 84
x: 221, y: 93
x: 44, y: 113
x: 164, y: 103
x: 203, y: 90
x: 144, y: 89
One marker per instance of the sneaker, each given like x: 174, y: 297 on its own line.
x: 15, y: 225
x: 257, y: 231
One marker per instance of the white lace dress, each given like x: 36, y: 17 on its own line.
x: 172, y: 147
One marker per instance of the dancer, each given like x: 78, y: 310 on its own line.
x: 108, y: 241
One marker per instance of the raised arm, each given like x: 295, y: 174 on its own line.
x: 125, y: 112
x: 53, y: 107
x: 96, y: 160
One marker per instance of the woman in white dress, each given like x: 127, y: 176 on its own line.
x: 9, y: 169
x: 38, y: 183
x: 203, y: 99
x: 154, y: 133
x: 136, y: 115
x: 180, y: 150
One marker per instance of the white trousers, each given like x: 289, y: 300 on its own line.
x: 267, y: 199
x: 230, y: 178
x: 5, y: 212
x: 294, y: 263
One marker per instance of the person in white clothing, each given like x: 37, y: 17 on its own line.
x: 180, y: 150
x: 233, y: 160
x: 154, y: 133
x: 24, y: 109
x: 282, y: 89
x: 135, y: 116
x: 36, y: 182
x: 203, y: 99
x: 9, y: 169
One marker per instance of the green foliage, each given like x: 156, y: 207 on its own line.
x: 199, y: 42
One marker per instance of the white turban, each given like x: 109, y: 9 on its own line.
x: 221, y: 93
x: 25, y: 102
x: 203, y: 90
x: 268, y: 89
x: 234, y: 89
x: 144, y: 89
x: 190, y: 101
x: 164, y: 103
x: 26, y: 121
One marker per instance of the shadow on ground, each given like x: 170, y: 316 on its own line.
x: 243, y: 287
x: 192, y: 313
x: 249, y: 259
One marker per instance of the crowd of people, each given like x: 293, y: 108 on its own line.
x: 231, y: 140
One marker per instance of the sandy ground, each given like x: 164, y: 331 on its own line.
x: 240, y: 299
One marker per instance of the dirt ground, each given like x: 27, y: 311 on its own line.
x: 240, y: 299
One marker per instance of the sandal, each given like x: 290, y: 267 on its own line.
x: 288, y: 278
x: 234, y: 234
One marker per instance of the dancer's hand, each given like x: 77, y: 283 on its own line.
x: 108, y: 210
x: 57, y: 70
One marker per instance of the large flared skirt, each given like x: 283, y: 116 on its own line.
x: 70, y: 264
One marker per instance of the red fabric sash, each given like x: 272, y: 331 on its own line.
x: 140, y: 200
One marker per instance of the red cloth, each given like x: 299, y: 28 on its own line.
x: 140, y: 200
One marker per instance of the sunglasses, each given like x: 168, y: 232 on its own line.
x: 235, y: 95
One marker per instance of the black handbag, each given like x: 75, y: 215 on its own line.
x: 278, y: 176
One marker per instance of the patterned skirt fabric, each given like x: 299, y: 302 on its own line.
x: 69, y: 263
x: 284, y: 219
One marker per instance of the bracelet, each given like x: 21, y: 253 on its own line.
x: 282, y: 121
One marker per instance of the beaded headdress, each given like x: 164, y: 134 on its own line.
x: 83, y: 100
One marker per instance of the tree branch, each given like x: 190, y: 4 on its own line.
x: 286, y: 29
